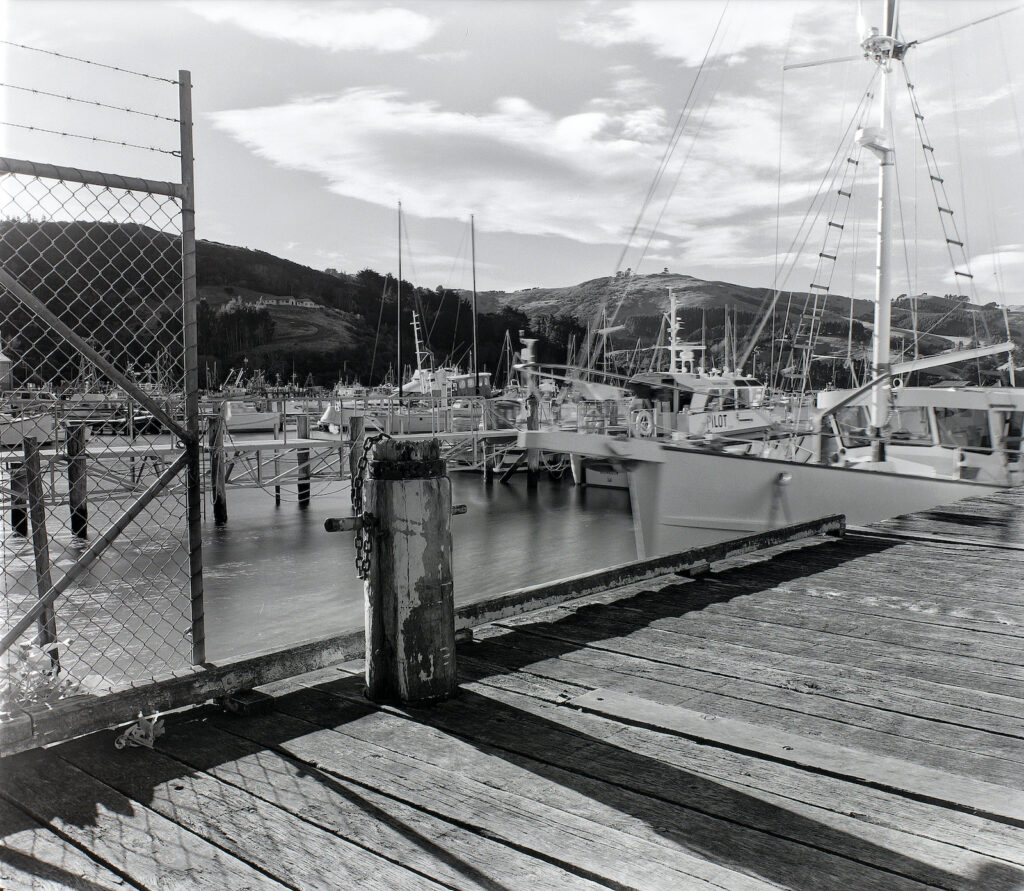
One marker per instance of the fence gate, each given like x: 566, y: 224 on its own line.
x: 100, y: 502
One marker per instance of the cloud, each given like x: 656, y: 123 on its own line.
x: 446, y: 56
x: 521, y: 169
x: 517, y: 167
x: 339, y: 27
x: 998, y: 270
x: 683, y: 30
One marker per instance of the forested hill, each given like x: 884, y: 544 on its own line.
x: 109, y: 281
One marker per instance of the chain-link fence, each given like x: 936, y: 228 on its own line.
x: 99, y: 503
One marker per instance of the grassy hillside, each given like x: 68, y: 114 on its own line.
x: 118, y: 284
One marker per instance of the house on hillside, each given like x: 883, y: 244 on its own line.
x: 262, y: 302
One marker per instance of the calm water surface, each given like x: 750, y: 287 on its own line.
x: 274, y: 577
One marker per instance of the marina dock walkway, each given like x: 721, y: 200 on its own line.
x: 833, y: 713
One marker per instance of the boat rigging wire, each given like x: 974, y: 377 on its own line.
x: 376, y: 337
x: 681, y: 121
x: 675, y: 183
x: 677, y: 132
x: 779, y: 284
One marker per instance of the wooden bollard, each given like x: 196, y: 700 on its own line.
x: 47, y: 622
x: 304, y: 468
x: 218, y: 483
x: 356, y: 437
x: 19, y: 500
x: 410, y: 610
x: 78, y: 483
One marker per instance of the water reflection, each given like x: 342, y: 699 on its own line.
x: 273, y: 577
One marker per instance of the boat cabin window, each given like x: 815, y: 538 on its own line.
x: 853, y: 421
x: 966, y: 428
x: 909, y: 424
x: 1013, y: 430
x: 720, y: 400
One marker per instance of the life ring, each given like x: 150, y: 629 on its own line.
x: 643, y: 424
x: 897, y: 383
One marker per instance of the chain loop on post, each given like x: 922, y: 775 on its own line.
x: 368, y: 530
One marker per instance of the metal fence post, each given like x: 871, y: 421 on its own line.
x: 191, y: 358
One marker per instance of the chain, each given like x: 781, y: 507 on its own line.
x: 366, y: 534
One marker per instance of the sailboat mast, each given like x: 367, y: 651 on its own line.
x: 880, y: 48
x: 398, y: 326
x: 476, y: 366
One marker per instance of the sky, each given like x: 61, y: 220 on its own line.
x: 549, y: 122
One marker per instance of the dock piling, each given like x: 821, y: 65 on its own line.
x: 410, y: 609
x: 532, y: 455
x: 47, y: 621
x: 78, y: 484
x: 304, y: 468
x: 19, y: 499
x: 218, y: 482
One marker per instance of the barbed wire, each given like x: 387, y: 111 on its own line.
x: 148, y: 148
x: 90, y: 102
x: 36, y: 49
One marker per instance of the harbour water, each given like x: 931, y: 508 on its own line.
x: 274, y: 577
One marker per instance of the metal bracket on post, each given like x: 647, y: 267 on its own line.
x: 142, y: 733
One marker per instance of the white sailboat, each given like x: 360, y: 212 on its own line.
x: 872, y: 453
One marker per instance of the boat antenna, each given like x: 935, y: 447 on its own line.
x: 398, y: 326
x: 476, y: 366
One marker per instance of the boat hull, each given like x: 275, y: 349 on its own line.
x: 685, y: 497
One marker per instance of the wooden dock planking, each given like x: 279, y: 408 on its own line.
x: 827, y: 714
x: 583, y: 757
x: 32, y: 857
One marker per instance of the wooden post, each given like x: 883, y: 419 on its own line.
x: 488, y: 465
x: 410, y: 611
x: 78, y: 484
x: 304, y: 468
x: 279, y: 425
x: 19, y: 500
x: 532, y: 455
x: 218, y: 483
x: 47, y: 621
x: 356, y: 437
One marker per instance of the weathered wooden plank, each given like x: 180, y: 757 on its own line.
x: 586, y: 847
x: 942, y: 787
x: 537, y: 596
x: 578, y: 771
x: 830, y: 797
x: 951, y: 747
x: 877, y: 566
x: 755, y: 626
x: 793, y: 690
x: 277, y: 843
x: 87, y: 713
x: 985, y: 647
x: 123, y: 834
x: 768, y: 635
x: 34, y: 857
x: 921, y: 607
x: 439, y: 849
x: 777, y: 649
